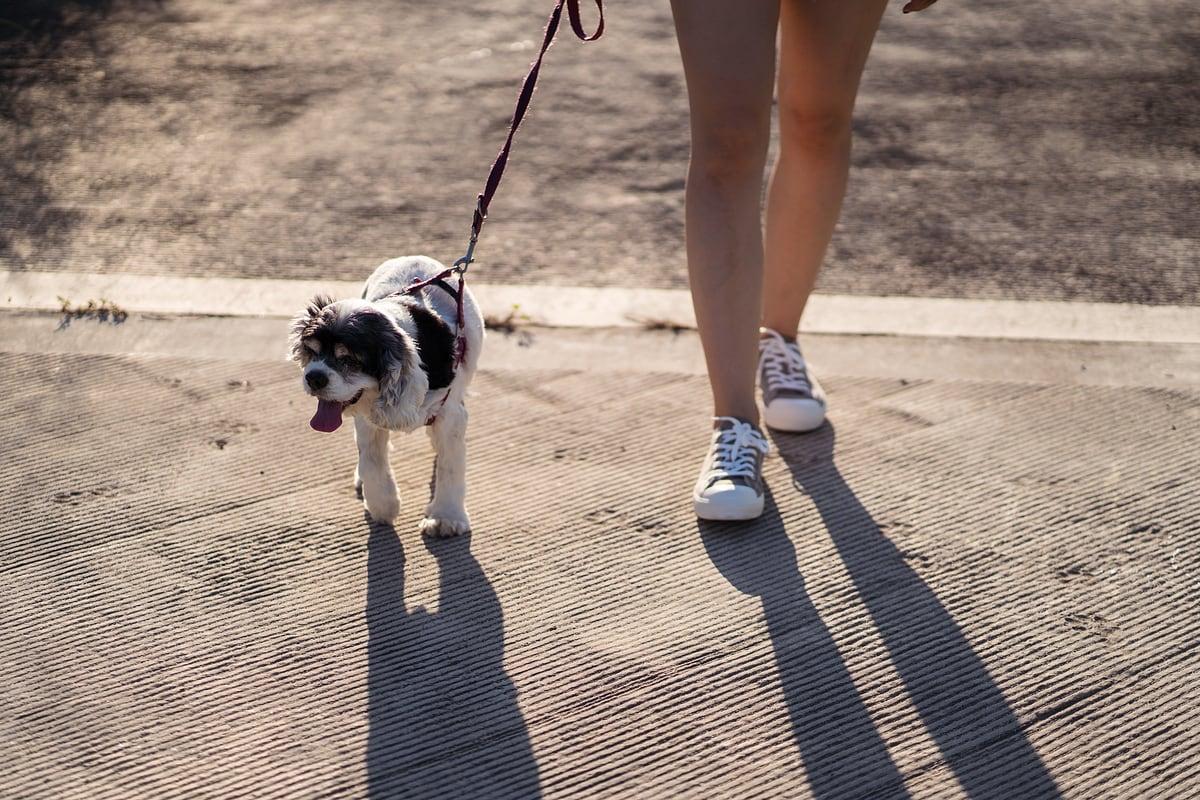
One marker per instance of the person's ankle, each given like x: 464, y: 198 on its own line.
x: 754, y: 420
x: 767, y: 330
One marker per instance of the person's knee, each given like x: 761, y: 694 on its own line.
x: 813, y: 128
x: 730, y: 146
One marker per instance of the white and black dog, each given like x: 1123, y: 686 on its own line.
x: 388, y: 361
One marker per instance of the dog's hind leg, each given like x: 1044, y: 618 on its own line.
x: 446, y: 514
x: 373, y: 476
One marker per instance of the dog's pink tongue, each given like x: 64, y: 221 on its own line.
x: 328, y: 417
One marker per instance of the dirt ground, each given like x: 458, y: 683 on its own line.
x: 1035, y: 151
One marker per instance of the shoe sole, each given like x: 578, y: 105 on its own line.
x: 792, y: 422
x: 714, y: 513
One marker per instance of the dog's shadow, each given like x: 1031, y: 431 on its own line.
x: 442, y: 711
x: 965, y: 713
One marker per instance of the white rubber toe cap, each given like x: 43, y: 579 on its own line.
x: 794, y: 414
x: 728, y: 501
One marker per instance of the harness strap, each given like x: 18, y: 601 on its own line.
x: 460, y: 335
x: 439, y: 280
x: 450, y: 290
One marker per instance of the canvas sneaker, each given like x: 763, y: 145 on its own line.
x: 730, y: 486
x: 793, y: 401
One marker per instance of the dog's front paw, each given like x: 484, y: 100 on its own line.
x: 382, y: 503
x: 443, y: 526
x: 383, y: 512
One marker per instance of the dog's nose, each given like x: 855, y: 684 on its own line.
x: 317, y: 379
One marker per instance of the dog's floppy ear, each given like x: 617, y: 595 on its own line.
x: 403, y: 384
x: 304, y: 323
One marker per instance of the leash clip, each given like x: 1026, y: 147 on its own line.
x: 460, y: 266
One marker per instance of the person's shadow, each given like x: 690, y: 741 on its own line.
x: 843, y: 754
x: 442, y: 712
x: 964, y: 711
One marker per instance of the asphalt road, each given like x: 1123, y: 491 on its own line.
x: 1040, y: 150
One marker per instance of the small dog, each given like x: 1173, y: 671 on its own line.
x: 388, y: 361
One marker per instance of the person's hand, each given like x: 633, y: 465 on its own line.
x: 917, y: 5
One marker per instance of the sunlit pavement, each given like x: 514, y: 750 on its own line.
x: 981, y: 587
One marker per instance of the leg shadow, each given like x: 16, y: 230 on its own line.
x: 843, y: 754
x: 442, y: 712
x: 961, y: 706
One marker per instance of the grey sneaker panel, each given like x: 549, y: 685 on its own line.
x: 755, y: 483
x: 771, y: 390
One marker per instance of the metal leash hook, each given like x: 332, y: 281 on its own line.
x: 460, y: 266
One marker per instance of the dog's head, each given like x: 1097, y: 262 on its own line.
x: 354, y: 355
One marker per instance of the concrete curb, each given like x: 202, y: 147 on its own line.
x: 611, y: 350
x: 607, y: 307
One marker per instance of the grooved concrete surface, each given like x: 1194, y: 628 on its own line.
x: 959, y: 589
x: 1031, y: 151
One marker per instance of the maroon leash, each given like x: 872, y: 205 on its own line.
x: 484, y: 199
x: 493, y: 179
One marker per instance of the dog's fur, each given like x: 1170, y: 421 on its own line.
x: 389, y: 358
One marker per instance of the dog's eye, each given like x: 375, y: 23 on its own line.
x: 350, y: 360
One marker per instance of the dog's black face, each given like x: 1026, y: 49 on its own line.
x: 345, y: 349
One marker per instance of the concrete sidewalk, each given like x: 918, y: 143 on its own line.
x: 981, y: 588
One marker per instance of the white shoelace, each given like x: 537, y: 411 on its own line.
x: 783, y: 364
x: 735, y: 451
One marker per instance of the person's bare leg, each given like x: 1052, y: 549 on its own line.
x: 728, y: 51
x: 823, y: 48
